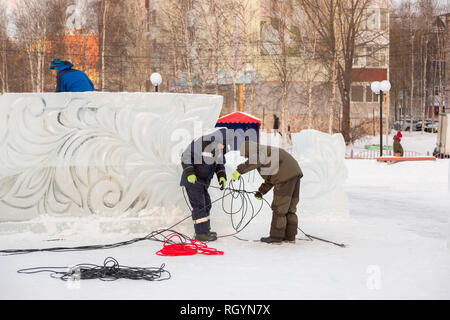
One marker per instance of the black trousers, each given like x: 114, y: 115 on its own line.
x: 201, y: 206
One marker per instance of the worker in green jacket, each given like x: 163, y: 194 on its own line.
x: 281, y: 172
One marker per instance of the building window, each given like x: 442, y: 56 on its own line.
x: 357, y: 93
x: 370, y: 96
x: 376, y: 56
x: 376, y: 19
x: 359, y: 58
x: 384, y: 19
x: 370, y: 16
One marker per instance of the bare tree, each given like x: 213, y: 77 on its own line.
x: 441, y: 41
x: 31, y: 27
x: 412, y: 33
x: 283, y: 53
x: 104, y: 10
x: 341, y: 26
x: 310, y: 68
x: 212, y: 19
x: 180, y: 19
x: 400, y: 57
x: 238, y: 36
x: 4, y: 42
x: 425, y: 16
x: 138, y: 38
x: 416, y: 51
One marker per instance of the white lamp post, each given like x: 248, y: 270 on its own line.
x: 381, y: 88
x: 156, y: 80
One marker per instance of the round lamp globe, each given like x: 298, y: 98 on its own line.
x: 156, y: 79
x: 385, y: 86
x: 376, y: 87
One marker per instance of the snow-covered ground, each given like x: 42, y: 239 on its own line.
x: 397, y: 248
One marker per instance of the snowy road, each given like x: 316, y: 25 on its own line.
x: 397, y: 237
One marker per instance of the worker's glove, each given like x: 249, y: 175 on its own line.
x: 258, y: 195
x: 223, y: 183
x: 192, y: 178
x: 235, y: 176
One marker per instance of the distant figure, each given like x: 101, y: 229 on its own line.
x: 289, y: 137
x: 68, y: 79
x: 276, y: 123
x: 398, y: 149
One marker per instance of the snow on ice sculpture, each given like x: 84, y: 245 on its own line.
x: 321, y: 158
x: 78, y: 154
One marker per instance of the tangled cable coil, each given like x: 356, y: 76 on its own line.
x: 186, y: 249
x: 110, y: 270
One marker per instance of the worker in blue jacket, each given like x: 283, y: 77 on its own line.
x: 203, y: 158
x: 68, y: 79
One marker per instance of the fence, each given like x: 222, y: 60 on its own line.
x: 373, y: 154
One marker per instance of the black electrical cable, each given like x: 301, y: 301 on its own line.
x: 111, y: 270
x: 244, y: 196
x: 246, y: 205
x: 162, y: 235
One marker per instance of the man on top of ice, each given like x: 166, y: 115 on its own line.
x: 282, y: 172
x: 398, y: 149
x: 203, y: 158
x: 68, y: 79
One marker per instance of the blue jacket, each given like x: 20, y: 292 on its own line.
x: 71, y: 80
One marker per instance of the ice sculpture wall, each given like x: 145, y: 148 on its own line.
x: 321, y: 157
x: 81, y: 154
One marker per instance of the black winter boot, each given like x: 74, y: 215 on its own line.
x: 271, y: 240
x: 213, y: 233
x: 289, y: 240
x: 204, y: 237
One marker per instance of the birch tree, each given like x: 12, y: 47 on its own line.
x: 3, y: 43
x: 31, y: 26
x: 104, y: 10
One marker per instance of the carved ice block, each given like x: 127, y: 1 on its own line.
x: 321, y: 157
x: 78, y: 154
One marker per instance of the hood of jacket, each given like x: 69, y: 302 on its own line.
x: 223, y: 136
x: 64, y: 66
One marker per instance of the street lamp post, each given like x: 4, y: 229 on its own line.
x: 380, y: 88
x: 156, y: 80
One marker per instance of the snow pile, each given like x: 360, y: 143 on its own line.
x: 321, y: 157
x: 270, y: 139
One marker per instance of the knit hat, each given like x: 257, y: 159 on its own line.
x: 399, y: 134
x: 55, y: 63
